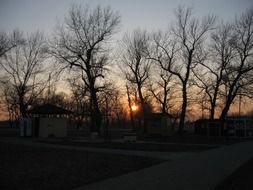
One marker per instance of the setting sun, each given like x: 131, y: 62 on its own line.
x: 134, y: 107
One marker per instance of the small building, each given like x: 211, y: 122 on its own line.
x: 160, y: 124
x: 46, y: 121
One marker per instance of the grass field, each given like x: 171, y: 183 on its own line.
x: 37, y: 168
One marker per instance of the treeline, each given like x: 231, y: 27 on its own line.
x: 197, y: 62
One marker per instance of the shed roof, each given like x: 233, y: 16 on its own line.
x: 49, y: 109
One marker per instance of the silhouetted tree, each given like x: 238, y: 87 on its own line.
x: 163, y: 90
x: 211, y: 78
x: 22, y: 67
x: 111, y: 104
x: 9, y: 101
x: 80, y: 99
x: 239, y: 72
x: 80, y: 43
x: 59, y: 99
x: 7, y: 42
x: 130, y: 104
x: 135, y: 65
x: 8, y: 98
x: 176, y: 51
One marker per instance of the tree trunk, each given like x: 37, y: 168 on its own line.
x: 143, y: 109
x: 230, y: 99
x: 212, y: 111
x: 223, y: 117
x: 22, y: 106
x: 96, y: 117
x: 130, y: 109
x: 184, y: 93
x: 214, y: 99
x: 183, y: 110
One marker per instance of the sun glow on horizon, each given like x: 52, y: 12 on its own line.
x: 134, y: 107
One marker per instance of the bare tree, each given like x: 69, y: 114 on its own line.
x: 162, y: 91
x: 212, y: 73
x: 177, y: 54
x: 9, y: 100
x: 111, y: 105
x: 239, y: 72
x: 58, y: 99
x: 81, y: 43
x: 7, y: 42
x: 80, y: 99
x: 130, y: 106
x: 22, y: 67
x: 136, y: 67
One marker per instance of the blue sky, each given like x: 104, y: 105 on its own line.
x: 30, y: 15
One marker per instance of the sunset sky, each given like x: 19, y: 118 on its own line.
x: 31, y: 15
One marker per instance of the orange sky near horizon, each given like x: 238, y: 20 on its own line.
x: 196, y: 113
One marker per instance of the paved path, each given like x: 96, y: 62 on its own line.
x: 200, y: 171
x: 181, y: 171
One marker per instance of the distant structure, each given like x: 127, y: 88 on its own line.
x: 160, y: 124
x: 209, y: 127
x: 235, y: 126
x: 240, y: 126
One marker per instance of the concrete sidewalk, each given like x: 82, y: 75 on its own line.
x: 200, y: 171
